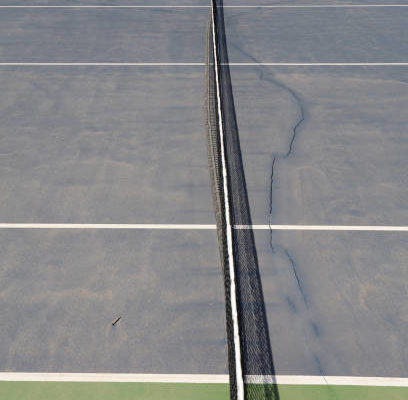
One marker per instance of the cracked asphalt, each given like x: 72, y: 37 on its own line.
x: 326, y: 146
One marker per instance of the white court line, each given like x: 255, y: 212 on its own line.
x: 369, y: 228
x: 107, y: 6
x: 100, y: 64
x: 327, y: 380
x: 196, y: 378
x: 109, y: 226
x: 198, y: 64
x: 317, y: 64
x: 319, y: 6
x: 101, y: 377
x: 225, y: 6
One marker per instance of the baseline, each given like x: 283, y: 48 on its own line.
x: 197, y: 378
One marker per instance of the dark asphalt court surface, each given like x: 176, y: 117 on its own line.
x: 61, y: 291
x: 128, y: 145
x: 104, y: 145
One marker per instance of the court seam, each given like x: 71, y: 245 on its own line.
x: 202, y: 378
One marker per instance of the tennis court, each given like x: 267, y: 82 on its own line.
x: 111, y: 284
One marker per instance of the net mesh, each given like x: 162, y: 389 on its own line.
x: 256, y: 353
x: 214, y: 157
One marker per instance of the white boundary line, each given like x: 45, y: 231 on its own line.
x: 102, y: 377
x: 231, y: 265
x: 367, y: 228
x: 320, y: 6
x: 110, y: 6
x: 109, y: 226
x: 225, y: 6
x: 197, y: 64
x: 196, y: 378
x: 327, y: 380
x: 101, y: 64
x: 377, y: 228
x: 317, y: 64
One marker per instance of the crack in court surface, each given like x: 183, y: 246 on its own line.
x: 268, y: 76
x: 276, y: 156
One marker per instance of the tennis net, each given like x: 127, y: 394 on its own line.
x: 249, y: 349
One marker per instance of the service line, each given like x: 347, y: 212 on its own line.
x: 319, y: 64
x: 225, y: 6
x: 368, y: 228
x: 102, y: 64
x: 200, y: 64
x: 109, y: 226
